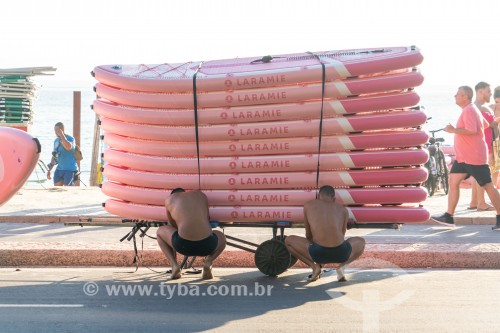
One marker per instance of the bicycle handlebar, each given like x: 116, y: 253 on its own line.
x: 435, y: 131
x: 433, y: 140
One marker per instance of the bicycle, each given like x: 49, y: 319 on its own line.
x: 436, y: 166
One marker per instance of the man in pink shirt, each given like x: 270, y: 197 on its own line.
x: 471, y: 156
x: 483, y: 95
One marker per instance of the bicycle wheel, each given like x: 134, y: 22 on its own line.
x: 430, y: 183
x: 442, y: 170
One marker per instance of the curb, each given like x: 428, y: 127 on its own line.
x: 404, y: 256
x: 470, y: 220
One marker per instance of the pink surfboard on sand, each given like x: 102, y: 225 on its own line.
x: 256, y: 113
x: 349, y: 196
x: 257, y: 72
x: 365, y: 214
x: 19, y: 153
x: 273, y: 95
x: 268, y: 163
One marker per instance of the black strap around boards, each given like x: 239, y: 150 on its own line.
x: 323, y: 80
x: 195, y: 102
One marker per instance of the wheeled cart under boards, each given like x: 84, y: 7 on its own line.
x: 271, y: 257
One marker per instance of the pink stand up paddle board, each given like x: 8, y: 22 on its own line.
x: 268, y: 130
x: 256, y: 113
x: 268, y: 163
x: 366, y: 214
x: 273, y: 95
x: 275, y: 180
x: 348, y: 196
x: 257, y: 72
x: 280, y: 146
x: 19, y: 153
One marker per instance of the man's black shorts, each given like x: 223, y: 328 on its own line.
x: 200, y: 248
x: 481, y: 173
x: 327, y: 255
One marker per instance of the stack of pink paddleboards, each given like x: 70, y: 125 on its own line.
x: 259, y: 135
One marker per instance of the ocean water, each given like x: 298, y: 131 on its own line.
x: 440, y: 107
x: 54, y: 103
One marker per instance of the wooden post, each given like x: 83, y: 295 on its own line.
x: 94, y: 169
x: 77, y: 112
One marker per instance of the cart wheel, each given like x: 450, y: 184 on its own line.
x: 272, y: 257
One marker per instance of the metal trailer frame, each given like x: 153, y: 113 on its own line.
x: 271, y: 257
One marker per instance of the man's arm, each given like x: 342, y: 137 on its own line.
x: 346, y: 219
x: 170, y: 219
x: 307, y: 226
x: 461, y: 131
x: 51, y: 165
x: 471, y: 119
x: 62, y: 138
x: 491, y: 116
x: 205, y: 199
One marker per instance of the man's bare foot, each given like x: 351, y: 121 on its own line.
x: 485, y: 207
x: 207, y: 268
x: 176, y: 273
x: 340, y: 274
x: 207, y: 273
x: 316, y: 274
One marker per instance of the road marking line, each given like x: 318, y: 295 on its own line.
x: 41, y: 305
x: 469, y: 235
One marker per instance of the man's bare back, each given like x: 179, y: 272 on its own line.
x: 189, y: 232
x: 327, y: 221
x: 188, y: 212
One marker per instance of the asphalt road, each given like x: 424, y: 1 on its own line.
x: 244, y: 300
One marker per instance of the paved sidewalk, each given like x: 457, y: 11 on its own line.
x: 31, y: 234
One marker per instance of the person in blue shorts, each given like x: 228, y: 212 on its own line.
x: 63, y: 157
x: 325, y: 222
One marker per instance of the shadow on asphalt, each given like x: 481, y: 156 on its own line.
x: 134, y: 302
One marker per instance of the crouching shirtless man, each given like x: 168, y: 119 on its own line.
x: 325, y: 222
x: 189, y: 231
